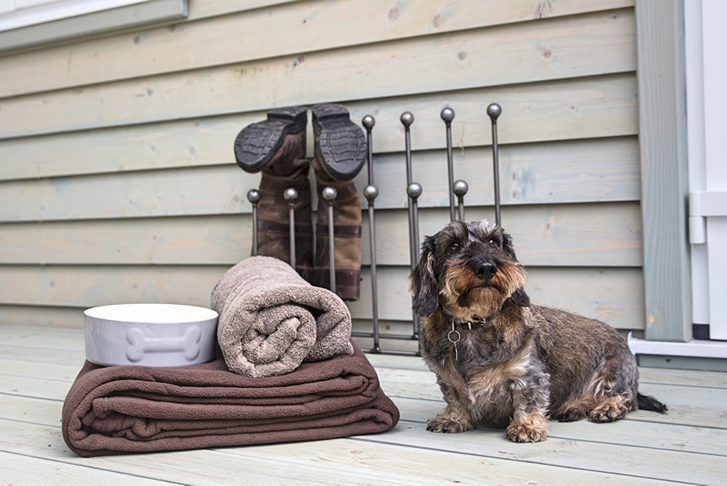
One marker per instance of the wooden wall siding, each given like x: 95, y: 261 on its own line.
x: 118, y: 181
x: 554, y: 235
x: 289, y: 30
x: 599, y: 292
x: 591, y: 108
x: 559, y: 176
x: 584, y: 45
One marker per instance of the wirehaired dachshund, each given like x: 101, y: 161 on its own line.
x: 500, y: 359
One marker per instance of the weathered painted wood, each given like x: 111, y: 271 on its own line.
x: 665, y: 185
x: 705, y: 379
x: 691, y: 406
x: 702, y: 379
x: 41, y: 316
x: 613, y: 295
x: 557, y: 235
x: 358, y: 461
x: 606, y: 168
x: 186, y: 240
x: 198, y: 190
x: 645, y: 445
x: 24, y: 368
x: 216, y: 189
x: 22, y: 336
x: 588, y: 45
x: 88, y: 286
x: 22, y: 469
x: 294, y: 29
x: 47, y: 358
x: 581, y: 109
x: 619, y: 459
x: 595, y: 170
x: 530, y: 174
x: 630, y: 432
x: 43, y: 388
x: 199, y: 9
x: 683, y: 362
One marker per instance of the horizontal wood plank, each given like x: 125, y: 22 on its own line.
x: 608, y: 167
x: 557, y: 235
x: 589, y: 45
x: 613, y: 295
x: 22, y: 469
x: 599, y: 107
x: 530, y: 174
x: 357, y: 461
x: 621, y: 459
x: 21, y: 336
x: 549, y: 235
x: 200, y: 9
x: 293, y: 29
x: 589, y: 170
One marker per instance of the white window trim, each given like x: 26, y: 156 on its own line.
x: 109, y: 15
x: 39, y: 12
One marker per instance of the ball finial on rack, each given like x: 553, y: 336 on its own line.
x: 368, y: 122
x: 460, y: 188
x: 253, y: 195
x: 447, y: 114
x: 370, y: 192
x: 414, y: 190
x: 494, y: 111
x: 329, y: 193
x: 407, y: 118
x: 290, y: 194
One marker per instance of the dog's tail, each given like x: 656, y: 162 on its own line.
x: 646, y: 402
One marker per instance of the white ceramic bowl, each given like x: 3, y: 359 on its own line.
x: 150, y: 334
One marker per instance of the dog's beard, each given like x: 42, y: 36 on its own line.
x: 470, y: 297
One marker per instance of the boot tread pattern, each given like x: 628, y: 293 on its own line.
x: 258, y: 142
x: 342, y: 143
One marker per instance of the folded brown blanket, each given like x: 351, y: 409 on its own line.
x: 271, y: 320
x: 132, y: 409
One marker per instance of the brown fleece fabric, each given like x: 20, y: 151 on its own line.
x: 133, y: 409
x: 271, y: 320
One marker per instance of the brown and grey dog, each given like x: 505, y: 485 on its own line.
x: 502, y: 361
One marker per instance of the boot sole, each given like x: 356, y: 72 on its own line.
x: 258, y: 142
x: 342, y: 143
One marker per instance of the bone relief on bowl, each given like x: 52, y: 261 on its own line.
x: 150, y: 334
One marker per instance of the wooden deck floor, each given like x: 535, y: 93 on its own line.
x: 687, y: 446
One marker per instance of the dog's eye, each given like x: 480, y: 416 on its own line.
x: 454, y: 248
x: 492, y: 244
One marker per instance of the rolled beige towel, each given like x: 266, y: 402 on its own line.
x: 271, y: 320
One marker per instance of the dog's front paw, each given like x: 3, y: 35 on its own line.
x: 447, y: 425
x: 527, y: 432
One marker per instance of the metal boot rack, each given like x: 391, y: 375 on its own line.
x: 458, y: 189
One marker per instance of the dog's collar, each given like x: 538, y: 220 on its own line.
x: 477, y: 321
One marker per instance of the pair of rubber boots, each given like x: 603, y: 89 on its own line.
x: 277, y: 147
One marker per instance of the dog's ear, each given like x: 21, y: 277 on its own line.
x: 507, y: 246
x: 423, y: 280
x: 519, y: 297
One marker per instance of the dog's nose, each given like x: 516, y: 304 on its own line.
x: 485, y: 271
